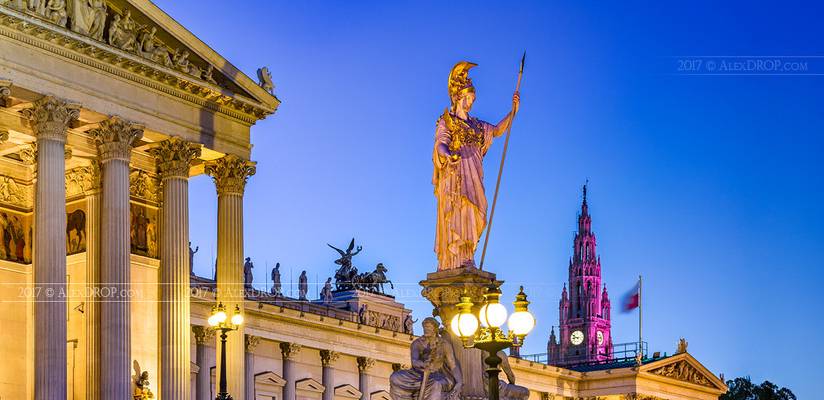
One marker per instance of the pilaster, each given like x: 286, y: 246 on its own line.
x: 114, y: 139
x: 173, y: 157
x: 50, y: 119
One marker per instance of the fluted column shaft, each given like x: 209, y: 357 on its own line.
x: 114, y: 138
x: 92, y: 309
x: 203, y: 384
x: 288, y: 352
x: 327, y: 359
x: 364, y: 364
x: 249, y: 367
x: 50, y: 119
x: 230, y: 174
x: 173, y: 158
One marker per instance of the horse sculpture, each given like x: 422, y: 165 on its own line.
x: 75, y: 221
x: 373, y: 281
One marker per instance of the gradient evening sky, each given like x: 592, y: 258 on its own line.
x: 709, y: 186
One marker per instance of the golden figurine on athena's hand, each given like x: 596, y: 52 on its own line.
x: 461, y: 141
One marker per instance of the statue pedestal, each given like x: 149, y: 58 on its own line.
x: 444, y: 289
x: 382, y: 311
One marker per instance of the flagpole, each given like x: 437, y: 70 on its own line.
x: 640, y: 338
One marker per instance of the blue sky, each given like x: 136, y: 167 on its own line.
x: 709, y: 186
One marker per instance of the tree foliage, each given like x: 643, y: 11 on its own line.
x: 744, y: 389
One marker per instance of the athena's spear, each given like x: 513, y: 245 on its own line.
x: 501, y: 169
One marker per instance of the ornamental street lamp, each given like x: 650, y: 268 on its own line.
x: 490, y: 337
x: 219, y: 323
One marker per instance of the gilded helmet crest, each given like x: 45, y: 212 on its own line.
x: 459, y: 81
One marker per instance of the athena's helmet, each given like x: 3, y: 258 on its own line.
x: 460, y: 82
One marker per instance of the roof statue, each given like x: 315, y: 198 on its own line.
x: 348, y: 278
x: 265, y: 79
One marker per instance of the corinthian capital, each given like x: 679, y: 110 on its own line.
x: 251, y: 343
x: 365, y: 363
x: 174, y: 156
x: 328, y: 357
x: 5, y: 93
x: 230, y: 173
x: 289, y: 350
x: 114, y: 138
x: 203, y: 334
x: 50, y: 117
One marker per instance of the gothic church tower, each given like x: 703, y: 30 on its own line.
x: 584, y: 309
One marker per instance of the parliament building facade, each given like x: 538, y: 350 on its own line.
x: 107, y: 108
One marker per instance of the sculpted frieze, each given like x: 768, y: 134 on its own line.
x: 81, y: 180
x: 144, y: 186
x: 13, y: 193
x: 683, y: 371
x: 128, y: 50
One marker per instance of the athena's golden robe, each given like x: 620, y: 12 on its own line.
x: 459, y: 188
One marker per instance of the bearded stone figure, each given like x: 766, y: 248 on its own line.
x: 461, y: 141
x: 435, y: 373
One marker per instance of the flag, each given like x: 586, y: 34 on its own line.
x: 632, y: 299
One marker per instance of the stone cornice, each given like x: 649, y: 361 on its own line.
x: 50, y: 118
x: 230, y: 173
x: 114, y: 138
x: 174, y: 156
x: 76, y: 47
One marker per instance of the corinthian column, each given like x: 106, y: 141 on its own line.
x: 203, y: 385
x: 230, y: 174
x: 49, y: 120
x: 173, y: 159
x: 364, y: 364
x: 288, y: 353
x: 114, y: 140
x: 327, y: 358
x: 251, y: 344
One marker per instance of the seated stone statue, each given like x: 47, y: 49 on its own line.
x: 434, y: 369
x: 508, y: 391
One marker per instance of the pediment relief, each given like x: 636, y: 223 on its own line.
x: 13, y: 193
x: 686, y: 369
x: 269, y: 378
x: 347, y: 391
x: 119, y: 35
x: 380, y: 395
x: 310, y: 385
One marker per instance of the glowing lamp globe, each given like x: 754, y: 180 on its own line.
x: 237, y: 318
x: 521, y: 323
x: 220, y: 316
x: 213, y: 320
x: 464, y: 325
x: 493, y: 315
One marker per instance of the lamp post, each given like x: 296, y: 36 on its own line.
x: 490, y: 337
x: 219, y: 323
